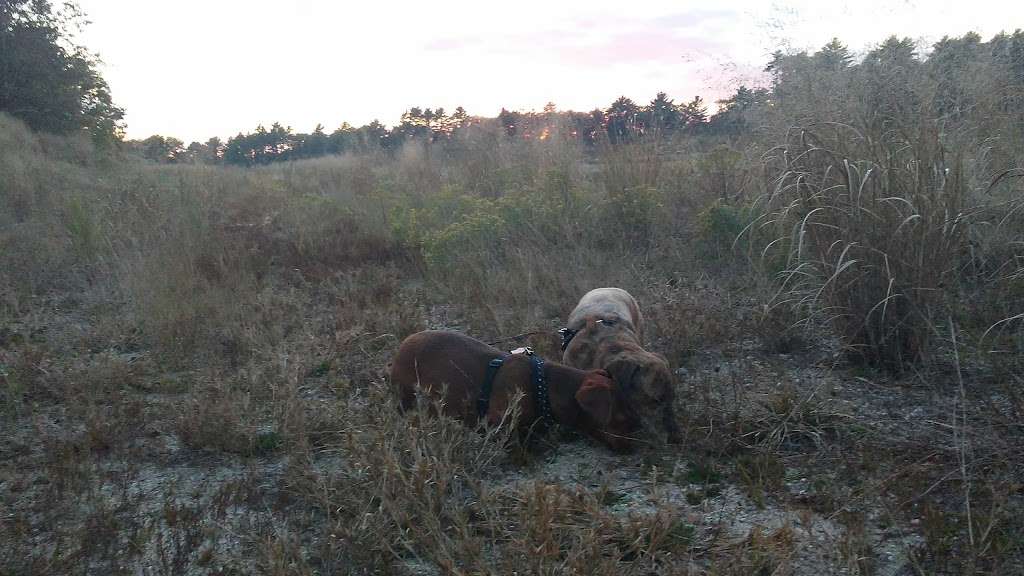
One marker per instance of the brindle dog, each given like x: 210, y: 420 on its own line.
x: 604, y: 331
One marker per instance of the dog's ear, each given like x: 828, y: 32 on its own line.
x: 595, y: 397
x: 625, y: 374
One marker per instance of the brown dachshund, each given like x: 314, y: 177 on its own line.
x: 604, y: 332
x: 455, y: 365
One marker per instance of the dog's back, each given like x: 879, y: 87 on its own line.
x: 614, y: 304
x: 434, y: 359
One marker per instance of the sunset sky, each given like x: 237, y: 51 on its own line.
x: 195, y: 69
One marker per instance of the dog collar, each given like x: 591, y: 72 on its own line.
x: 567, y: 336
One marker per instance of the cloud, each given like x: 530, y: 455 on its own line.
x: 695, y: 18
x: 598, y: 41
x: 643, y: 47
x: 452, y: 44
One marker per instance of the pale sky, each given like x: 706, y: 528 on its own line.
x: 199, y: 68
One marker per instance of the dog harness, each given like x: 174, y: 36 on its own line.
x: 540, y: 385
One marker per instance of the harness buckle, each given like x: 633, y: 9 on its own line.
x: 483, y: 402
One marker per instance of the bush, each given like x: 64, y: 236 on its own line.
x: 721, y: 225
x: 631, y: 174
x: 721, y: 174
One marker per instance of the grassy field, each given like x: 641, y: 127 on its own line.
x: 193, y: 358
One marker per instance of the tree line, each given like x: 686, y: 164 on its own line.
x: 623, y: 120
x: 964, y: 83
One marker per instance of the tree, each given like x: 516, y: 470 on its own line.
x: 662, y: 114
x: 950, y: 65
x: 622, y: 118
x: 46, y: 79
x: 694, y: 113
x: 163, y: 149
x: 214, y: 151
x: 261, y: 147
x: 509, y: 121
x: 342, y: 140
x: 587, y: 125
x: 313, y: 145
x: 414, y: 124
x: 888, y: 84
x: 894, y: 52
x: 733, y: 111
x: 794, y: 77
x: 1008, y: 55
x: 834, y: 56
x: 374, y: 136
x: 424, y: 124
x: 192, y: 154
x: 459, y: 118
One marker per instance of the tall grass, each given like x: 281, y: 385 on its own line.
x: 891, y: 202
x: 875, y: 234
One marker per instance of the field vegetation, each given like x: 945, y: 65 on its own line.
x: 193, y: 349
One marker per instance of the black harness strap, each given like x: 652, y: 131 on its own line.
x: 483, y: 403
x: 540, y: 390
x: 540, y: 387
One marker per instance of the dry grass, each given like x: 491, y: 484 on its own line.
x: 874, y: 238
x: 192, y: 367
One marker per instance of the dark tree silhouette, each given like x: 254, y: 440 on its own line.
x: 509, y: 121
x: 622, y: 119
x: 47, y: 80
x: 834, y: 56
x: 662, y: 114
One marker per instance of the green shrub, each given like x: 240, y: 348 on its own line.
x: 721, y: 225
x: 629, y: 217
x: 630, y: 174
x: 721, y: 174
x: 479, y: 235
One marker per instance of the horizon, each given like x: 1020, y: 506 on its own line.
x: 578, y: 56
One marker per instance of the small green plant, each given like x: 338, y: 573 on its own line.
x: 721, y: 174
x: 266, y: 442
x: 703, y: 472
x: 83, y: 228
x: 721, y: 227
x: 321, y: 369
x: 761, y: 473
